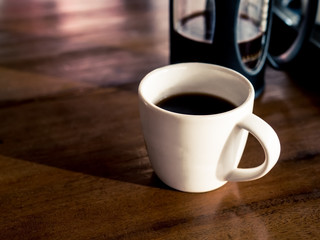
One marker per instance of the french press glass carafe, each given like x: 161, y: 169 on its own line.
x: 231, y: 33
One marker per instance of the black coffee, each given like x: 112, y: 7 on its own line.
x: 185, y: 49
x: 196, y: 104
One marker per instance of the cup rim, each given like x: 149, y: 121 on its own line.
x: 241, y: 77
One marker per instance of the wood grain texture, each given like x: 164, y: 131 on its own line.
x: 73, y: 163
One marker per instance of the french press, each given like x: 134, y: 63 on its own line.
x: 231, y: 33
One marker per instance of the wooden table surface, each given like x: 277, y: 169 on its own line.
x: 73, y: 164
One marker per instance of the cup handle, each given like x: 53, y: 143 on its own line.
x: 270, y: 143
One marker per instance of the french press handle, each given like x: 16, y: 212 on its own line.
x: 304, y: 29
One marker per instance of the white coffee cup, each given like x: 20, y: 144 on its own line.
x: 199, y: 153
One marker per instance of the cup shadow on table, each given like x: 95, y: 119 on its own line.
x: 84, y: 134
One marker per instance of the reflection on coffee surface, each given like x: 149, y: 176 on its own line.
x: 196, y: 104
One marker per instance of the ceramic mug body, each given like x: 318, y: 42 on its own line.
x: 199, y: 153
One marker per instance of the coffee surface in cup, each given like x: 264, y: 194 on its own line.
x: 195, y: 104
